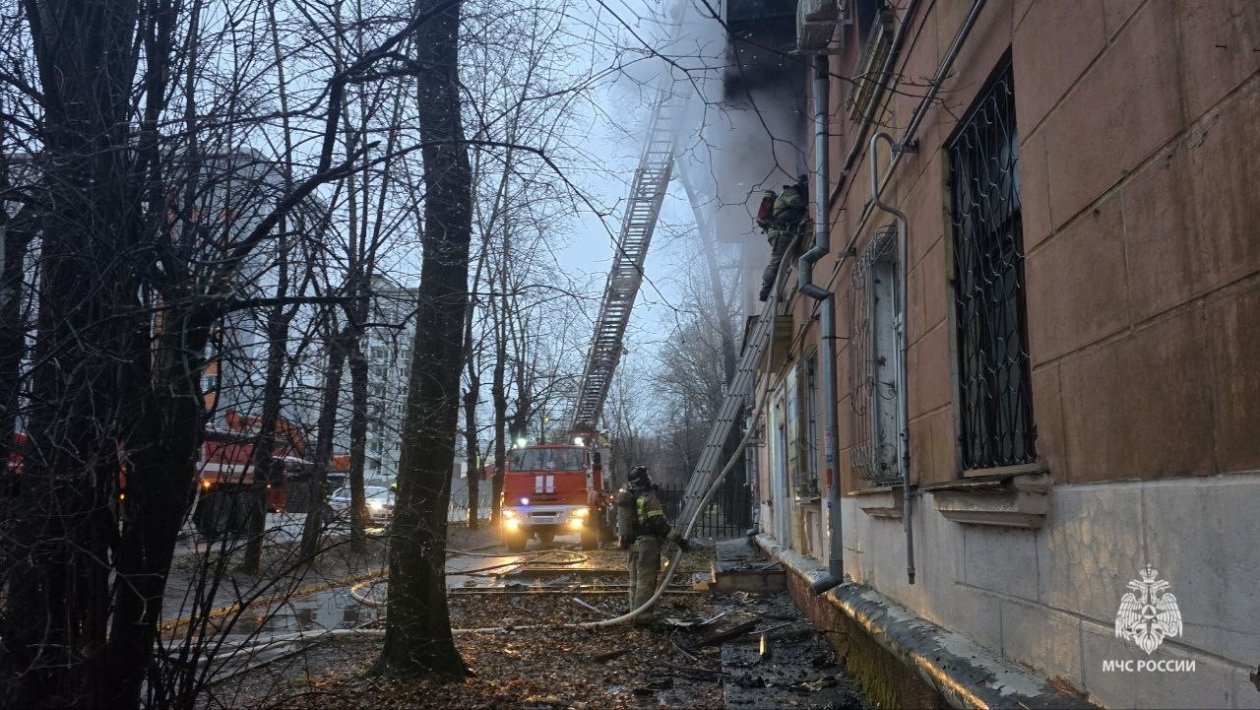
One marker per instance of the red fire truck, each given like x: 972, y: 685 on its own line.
x: 225, y: 479
x: 553, y: 489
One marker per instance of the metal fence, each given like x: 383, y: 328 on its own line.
x: 728, y: 514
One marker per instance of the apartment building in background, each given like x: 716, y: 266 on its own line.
x: 387, y: 346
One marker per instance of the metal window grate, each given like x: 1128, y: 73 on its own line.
x: 995, y: 389
x: 873, y: 387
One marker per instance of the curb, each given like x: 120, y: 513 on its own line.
x: 965, y: 673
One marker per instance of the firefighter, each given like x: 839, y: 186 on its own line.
x: 781, y: 216
x: 641, y: 526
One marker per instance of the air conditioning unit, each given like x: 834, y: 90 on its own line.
x: 815, y: 22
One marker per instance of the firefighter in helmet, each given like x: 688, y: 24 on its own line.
x: 782, y: 217
x: 641, y: 527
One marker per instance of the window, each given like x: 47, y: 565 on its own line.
x: 875, y: 353
x: 994, y: 384
x: 809, y: 407
x: 866, y: 13
x: 874, y: 43
x: 558, y: 458
x: 792, y: 426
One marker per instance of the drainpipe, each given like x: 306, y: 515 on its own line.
x: 899, y: 353
x: 822, y: 245
x: 826, y: 349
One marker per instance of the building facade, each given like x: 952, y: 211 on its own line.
x: 387, y: 346
x: 1046, y: 312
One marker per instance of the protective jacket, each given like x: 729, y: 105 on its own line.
x: 789, y: 207
x: 640, y: 514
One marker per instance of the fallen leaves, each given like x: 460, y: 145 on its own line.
x: 535, y: 668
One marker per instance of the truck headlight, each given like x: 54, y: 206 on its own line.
x: 511, y: 524
x: 509, y: 513
x: 575, y: 523
x: 581, y: 512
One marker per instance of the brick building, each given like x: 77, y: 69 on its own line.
x: 1056, y: 348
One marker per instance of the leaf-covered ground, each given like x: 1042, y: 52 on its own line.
x: 532, y: 667
x: 535, y: 661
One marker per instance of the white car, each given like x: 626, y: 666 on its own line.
x: 380, y: 503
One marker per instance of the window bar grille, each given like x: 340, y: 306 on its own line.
x: 874, y: 453
x: 994, y: 377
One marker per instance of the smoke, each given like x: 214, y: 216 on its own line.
x: 744, y: 131
x: 743, y: 126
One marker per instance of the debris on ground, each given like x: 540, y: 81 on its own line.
x: 706, y: 652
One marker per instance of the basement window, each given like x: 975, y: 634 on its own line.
x: 874, y: 349
x: 990, y: 318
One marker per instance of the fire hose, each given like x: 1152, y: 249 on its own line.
x: 670, y: 568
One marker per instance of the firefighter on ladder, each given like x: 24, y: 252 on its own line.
x: 781, y: 216
x: 641, y: 527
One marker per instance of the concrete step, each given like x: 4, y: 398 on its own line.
x: 739, y: 566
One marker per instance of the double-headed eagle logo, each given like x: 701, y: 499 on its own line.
x: 1148, y: 614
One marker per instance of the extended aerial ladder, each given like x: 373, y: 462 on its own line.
x: 647, y: 193
x: 643, y: 208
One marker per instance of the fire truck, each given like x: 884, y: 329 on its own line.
x: 554, y: 489
x: 226, y: 485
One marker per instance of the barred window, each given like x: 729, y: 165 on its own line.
x: 995, y: 390
x: 874, y: 351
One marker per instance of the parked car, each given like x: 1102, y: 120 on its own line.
x: 380, y: 503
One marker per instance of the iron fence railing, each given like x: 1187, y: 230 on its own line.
x: 728, y: 514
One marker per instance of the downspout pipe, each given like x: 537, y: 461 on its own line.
x: 826, y: 349
x: 903, y: 427
x: 822, y: 246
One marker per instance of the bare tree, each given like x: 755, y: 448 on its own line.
x: 418, y: 634
x: 141, y: 253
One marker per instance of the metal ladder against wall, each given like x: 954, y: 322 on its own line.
x: 738, y: 392
x: 643, y: 208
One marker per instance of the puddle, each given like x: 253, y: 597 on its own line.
x: 330, y: 609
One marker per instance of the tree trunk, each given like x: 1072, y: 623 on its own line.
x: 324, y: 430
x: 500, y: 433
x: 156, y: 504
x: 417, y: 634
x: 57, y: 603
x: 358, y: 444
x: 470, y: 446
x: 263, y: 461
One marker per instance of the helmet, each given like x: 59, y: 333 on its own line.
x: 638, y: 477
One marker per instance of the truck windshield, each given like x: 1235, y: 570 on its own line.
x: 558, y: 459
